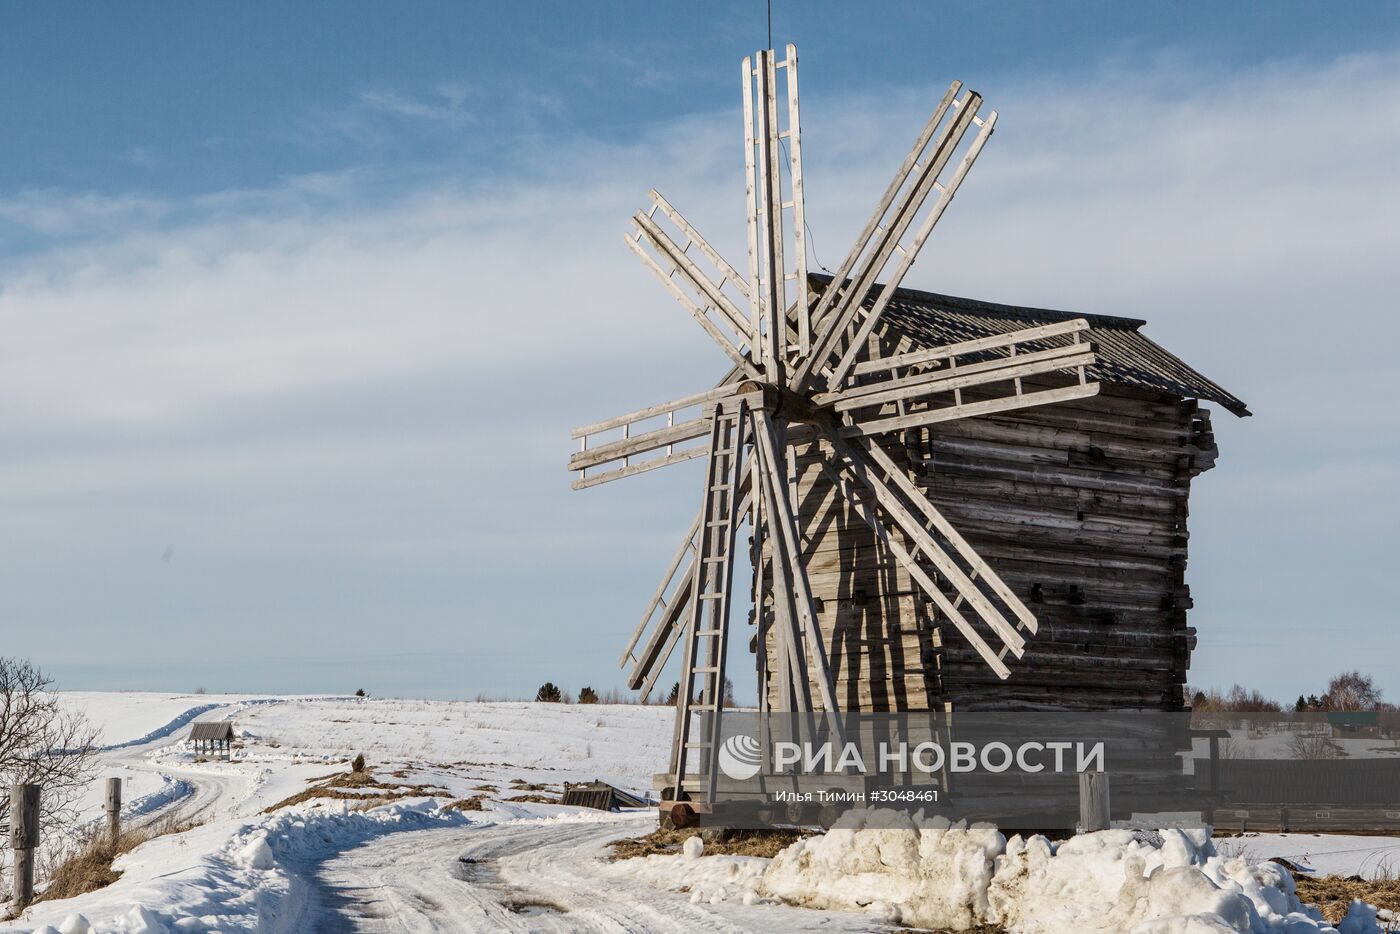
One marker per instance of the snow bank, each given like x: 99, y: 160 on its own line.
x: 709, y: 879
x: 927, y: 873
x: 932, y: 874
x: 171, y: 790
x: 1151, y: 883
x: 250, y: 878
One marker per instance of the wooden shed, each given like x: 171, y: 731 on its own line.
x: 213, y: 737
x: 1081, y: 507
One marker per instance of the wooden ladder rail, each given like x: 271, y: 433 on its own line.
x: 707, y: 629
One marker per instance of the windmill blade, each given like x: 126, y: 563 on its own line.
x: 840, y: 338
x: 681, y: 420
x: 916, y: 572
x: 1017, y: 400
x: 692, y: 288
x: 728, y: 274
x: 671, y: 598
x: 790, y: 585
x: 801, y: 302
x: 672, y: 601
x: 955, y: 560
x: 940, y: 356
x: 1000, y: 364
x: 768, y: 147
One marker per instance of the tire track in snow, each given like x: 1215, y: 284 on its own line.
x: 521, y: 876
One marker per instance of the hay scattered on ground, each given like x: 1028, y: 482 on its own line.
x: 534, y: 799
x: 89, y: 868
x: 519, y: 784
x: 475, y: 803
x: 1334, y: 894
x: 361, y: 787
x: 764, y: 843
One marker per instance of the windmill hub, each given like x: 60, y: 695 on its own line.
x: 774, y: 398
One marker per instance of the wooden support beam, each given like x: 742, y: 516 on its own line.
x: 794, y: 679
x: 783, y: 531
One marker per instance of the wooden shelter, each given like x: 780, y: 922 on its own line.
x: 212, y: 737
x: 948, y: 502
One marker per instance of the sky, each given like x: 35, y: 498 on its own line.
x: 299, y: 304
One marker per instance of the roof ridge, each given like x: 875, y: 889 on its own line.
x: 977, y: 304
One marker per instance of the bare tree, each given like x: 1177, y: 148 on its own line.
x: 1313, y: 746
x: 1351, y: 690
x: 42, y: 744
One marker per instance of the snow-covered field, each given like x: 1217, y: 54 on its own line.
x: 396, y: 855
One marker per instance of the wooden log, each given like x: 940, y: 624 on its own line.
x: 113, y: 806
x: 1093, y: 801
x: 24, y: 840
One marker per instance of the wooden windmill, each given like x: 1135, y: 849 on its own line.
x: 815, y: 368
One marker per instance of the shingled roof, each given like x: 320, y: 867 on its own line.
x: 1125, y: 355
x: 216, y: 731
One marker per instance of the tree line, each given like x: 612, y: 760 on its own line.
x: 1348, y: 691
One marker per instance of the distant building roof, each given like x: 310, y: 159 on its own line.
x: 215, y: 730
x: 1125, y: 355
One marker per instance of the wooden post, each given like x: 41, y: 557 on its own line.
x: 24, y: 837
x: 1093, y: 801
x: 114, y: 809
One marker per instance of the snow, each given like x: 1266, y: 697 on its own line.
x: 936, y: 876
x: 932, y: 874
x: 1324, y: 854
x: 398, y: 852
x: 137, y: 717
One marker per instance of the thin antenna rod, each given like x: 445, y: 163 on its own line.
x: 770, y: 24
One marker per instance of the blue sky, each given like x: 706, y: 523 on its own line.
x: 266, y: 275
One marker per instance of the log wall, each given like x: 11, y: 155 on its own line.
x: 1080, y: 507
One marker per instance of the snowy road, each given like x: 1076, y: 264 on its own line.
x: 213, y: 794
x: 521, y: 876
